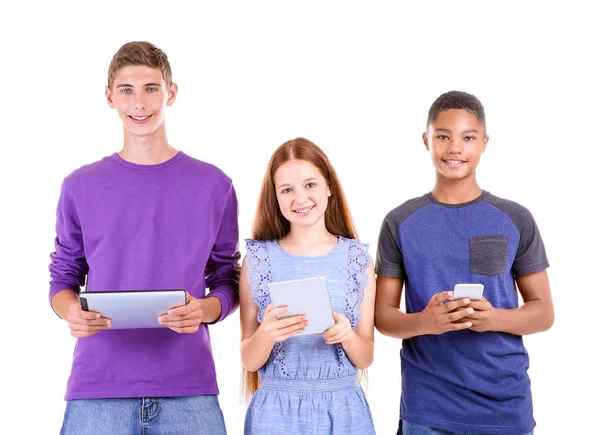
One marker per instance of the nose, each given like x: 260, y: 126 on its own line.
x: 140, y: 101
x: 456, y: 146
x: 301, y: 197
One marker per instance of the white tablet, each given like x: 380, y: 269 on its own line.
x: 307, y: 296
x: 132, y: 309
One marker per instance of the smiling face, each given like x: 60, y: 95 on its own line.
x: 302, y: 193
x: 140, y: 95
x: 456, y: 140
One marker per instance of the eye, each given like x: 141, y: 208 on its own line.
x: 311, y: 185
x: 152, y: 89
x: 442, y: 137
x: 286, y: 190
x: 469, y: 138
x: 126, y: 91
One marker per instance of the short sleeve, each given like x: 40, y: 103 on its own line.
x: 531, y: 253
x: 390, y: 261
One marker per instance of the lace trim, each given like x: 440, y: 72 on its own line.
x: 259, y: 277
x: 356, y: 281
x: 358, y: 262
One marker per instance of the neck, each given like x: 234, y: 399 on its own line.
x: 147, y: 150
x: 305, y: 236
x: 456, y: 191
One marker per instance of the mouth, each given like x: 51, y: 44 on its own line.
x: 139, y: 119
x: 303, y: 211
x: 454, y: 163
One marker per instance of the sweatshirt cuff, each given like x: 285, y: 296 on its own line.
x: 228, y: 298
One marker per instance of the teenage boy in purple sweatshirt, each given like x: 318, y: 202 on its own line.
x: 147, y: 217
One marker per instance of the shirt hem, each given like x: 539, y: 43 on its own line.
x: 462, y: 427
x: 122, y: 394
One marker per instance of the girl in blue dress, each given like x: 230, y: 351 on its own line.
x: 305, y: 384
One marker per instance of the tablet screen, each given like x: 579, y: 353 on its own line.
x: 307, y: 296
x: 132, y: 309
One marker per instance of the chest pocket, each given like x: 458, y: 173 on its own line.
x: 487, y: 254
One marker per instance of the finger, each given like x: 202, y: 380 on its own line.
x: 458, y: 314
x: 333, y: 331
x: 95, y: 321
x: 186, y: 330
x: 85, y: 330
x: 77, y: 312
x: 480, y: 305
x: 283, y: 331
x: 274, y: 312
x: 288, y: 321
x: 439, y: 298
x: 184, y: 310
x: 458, y: 326
x: 337, y: 337
x: 338, y: 317
x: 282, y: 337
x: 453, y: 305
x: 185, y: 323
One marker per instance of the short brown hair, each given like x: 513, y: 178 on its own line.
x: 140, y: 53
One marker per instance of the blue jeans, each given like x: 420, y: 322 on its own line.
x: 407, y: 428
x: 198, y: 415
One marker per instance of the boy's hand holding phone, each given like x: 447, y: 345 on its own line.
x: 482, y: 319
x: 442, y: 313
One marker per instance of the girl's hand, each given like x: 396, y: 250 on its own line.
x: 340, y: 332
x: 280, y: 330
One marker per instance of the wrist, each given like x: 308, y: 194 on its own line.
x: 421, y: 324
x: 211, y: 309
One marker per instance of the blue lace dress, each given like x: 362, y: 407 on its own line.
x: 308, y: 386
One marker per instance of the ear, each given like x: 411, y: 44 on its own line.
x: 426, y: 141
x: 172, y: 94
x: 328, y: 192
x: 485, y: 142
x: 108, y: 93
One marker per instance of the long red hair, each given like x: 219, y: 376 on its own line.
x: 270, y: 224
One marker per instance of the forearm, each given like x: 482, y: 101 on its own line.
x: 393, y: 322
x: 256, y: 350
x: 62, y: 300
x: 531, y: 317
x: 359, y: 350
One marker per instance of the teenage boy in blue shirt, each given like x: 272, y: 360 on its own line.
x: 464, y: 365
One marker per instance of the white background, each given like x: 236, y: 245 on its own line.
x: 355, y: 78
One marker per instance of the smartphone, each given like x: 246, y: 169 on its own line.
x: 471, y: 291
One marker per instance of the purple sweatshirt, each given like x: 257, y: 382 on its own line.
x: 136, y: 227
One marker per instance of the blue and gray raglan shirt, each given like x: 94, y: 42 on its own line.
x: 463, y: 380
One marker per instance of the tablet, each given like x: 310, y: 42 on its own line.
x: 132, y: 308
x: 307, y: 296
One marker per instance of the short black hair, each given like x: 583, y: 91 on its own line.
x: 456, y: 100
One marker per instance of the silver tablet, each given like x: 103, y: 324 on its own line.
x: 132, y: 309
x: 307, y: 296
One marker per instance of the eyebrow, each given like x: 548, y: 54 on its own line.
x: 304, y: 181
x: 445, y: 130
x: 123, y: 85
